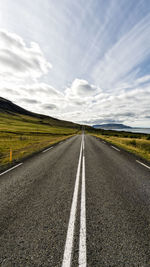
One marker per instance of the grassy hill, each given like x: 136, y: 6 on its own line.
x: 24, y: 132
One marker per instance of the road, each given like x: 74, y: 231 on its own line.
x: 80, y: 203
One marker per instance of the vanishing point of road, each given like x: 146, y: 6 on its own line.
x: 80, y: 203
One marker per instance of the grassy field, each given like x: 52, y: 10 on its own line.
x: 136, y: 143
x: 25, y: 135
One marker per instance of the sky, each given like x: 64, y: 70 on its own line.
x: 86, y: 61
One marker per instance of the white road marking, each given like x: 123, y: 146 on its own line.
x: 11, y: 169
x: 82, y: 239
x: 70, y: 233
x: 47, y: 149
x: 115, y: 148
x: 83, y: 142
x: 143, y: 164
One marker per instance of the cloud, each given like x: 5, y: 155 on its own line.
x: 49, y: 106
x: 39, y: 92
x: 18, y: 61
x: 21, y: 66
x: 128, y: 106
x: 80, y: 89
x: 42, y: 89
x: 83, y: 88
x: 122, y: 62
x: 29, y: 101
x: 10, y: 91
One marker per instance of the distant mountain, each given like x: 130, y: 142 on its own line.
x: 9, y: 108
x: 111, y: 126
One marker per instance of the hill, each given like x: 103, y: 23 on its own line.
x: 9, y: 108
x: 112, y: 126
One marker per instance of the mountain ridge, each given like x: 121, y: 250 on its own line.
x: 111, y: 126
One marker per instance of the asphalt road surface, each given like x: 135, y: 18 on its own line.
x: 80, y: 203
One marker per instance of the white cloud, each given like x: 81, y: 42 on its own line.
x: 82, y: 89
x: 21, y: 66
x: 42, y: 90
x: 40, y: 98
x: 18, y: 61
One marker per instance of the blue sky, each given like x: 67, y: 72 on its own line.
x: 84, y: 60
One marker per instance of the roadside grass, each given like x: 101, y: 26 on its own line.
x: 24, y: 136
x: 139, y: 146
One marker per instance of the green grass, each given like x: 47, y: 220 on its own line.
x: 25, y: 135
x: 138, y: 144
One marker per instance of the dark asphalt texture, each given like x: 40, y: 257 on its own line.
x: 36, y: 198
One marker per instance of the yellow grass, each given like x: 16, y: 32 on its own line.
x: 140, y: 147
x: 24, y: 146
